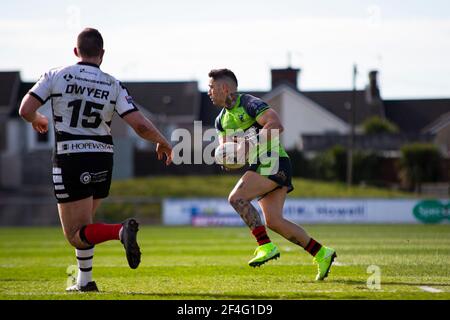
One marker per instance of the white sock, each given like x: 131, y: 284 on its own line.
x: 84, y: 259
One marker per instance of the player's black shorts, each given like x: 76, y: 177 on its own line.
x: 78, y: 176
x: 282, y: 176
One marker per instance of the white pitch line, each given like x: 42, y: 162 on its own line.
x: 430, y: 289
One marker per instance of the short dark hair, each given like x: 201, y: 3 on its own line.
x: 223, y: 73
x: 90, y: 43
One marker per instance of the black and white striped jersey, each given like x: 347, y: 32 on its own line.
x: 84, y: 99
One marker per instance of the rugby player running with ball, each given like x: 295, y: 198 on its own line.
x: 248, y: 121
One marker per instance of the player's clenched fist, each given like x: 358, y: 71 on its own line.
x: 164, y: 149
x: 40, y: 123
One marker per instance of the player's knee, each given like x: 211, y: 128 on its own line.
x: 74, y: 239
x: 232, y: 199
x: 237, y: 197
x: 237, y: 201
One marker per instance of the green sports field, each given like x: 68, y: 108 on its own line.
x: 211, y: 263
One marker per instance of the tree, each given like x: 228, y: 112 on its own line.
x: 331, y: 164
x: 377, y: 125
x: 420, y: 163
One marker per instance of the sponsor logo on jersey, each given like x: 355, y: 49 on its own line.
x: 129, y: 99
x: 77, y: 146
x: 83, y: 70
x: 93, y: 81
x: 68, y: 77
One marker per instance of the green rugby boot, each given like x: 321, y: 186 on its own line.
x: 263, y: 254
x: 324, y: 259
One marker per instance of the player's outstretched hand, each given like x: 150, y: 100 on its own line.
x: 40, y: 123
x: 164, y: 149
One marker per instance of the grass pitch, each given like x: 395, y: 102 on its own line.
x: 211, y: 263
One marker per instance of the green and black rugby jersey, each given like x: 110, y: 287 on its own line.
x: 241, y: 119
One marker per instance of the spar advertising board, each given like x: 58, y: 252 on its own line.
x: 218, y: 212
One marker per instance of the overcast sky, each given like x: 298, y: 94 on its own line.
x: 407, y: 41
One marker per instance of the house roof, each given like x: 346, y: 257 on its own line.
x: 415, y: 115
x: 9, y: 85
x: 437, y: 125
x: 335, y: 102
x: 168, y: 98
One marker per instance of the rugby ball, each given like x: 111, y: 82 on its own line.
x: 230, y: 155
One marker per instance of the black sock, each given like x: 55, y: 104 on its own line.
x: 313, y: 247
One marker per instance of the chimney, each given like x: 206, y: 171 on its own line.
x: 373, y: 96
x: 285, y: 76
x: 372, y: 90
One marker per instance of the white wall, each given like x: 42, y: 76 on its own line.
x: 300, y: 115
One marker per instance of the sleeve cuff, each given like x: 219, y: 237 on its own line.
x: 36, y: 96
x: 128, y: 112
x: 261, y: 112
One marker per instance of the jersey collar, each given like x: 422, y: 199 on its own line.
x: 88, y: 64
